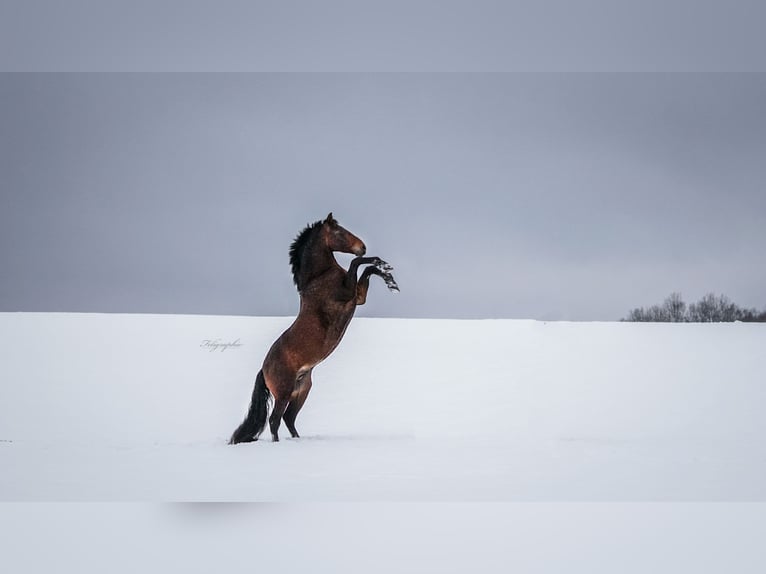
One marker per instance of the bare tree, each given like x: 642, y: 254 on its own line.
x: 675, y: 308
x: 711, y: 308
x: 704, y: 310
x: 637, y: 315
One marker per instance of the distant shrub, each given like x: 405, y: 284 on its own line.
x: 711, y: 308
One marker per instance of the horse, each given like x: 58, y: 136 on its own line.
x: 329, y: 295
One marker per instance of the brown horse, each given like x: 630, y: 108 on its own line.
x: 329, y: 295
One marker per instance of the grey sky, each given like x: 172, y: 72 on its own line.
x: 530, y: 196
x: 396, y: 35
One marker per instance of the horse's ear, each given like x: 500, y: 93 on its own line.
x: 330, y: 219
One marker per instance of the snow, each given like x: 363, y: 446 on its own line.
x: 413, y: 538
x: 110, y: 407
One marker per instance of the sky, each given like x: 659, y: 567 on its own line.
x: 545, y: 196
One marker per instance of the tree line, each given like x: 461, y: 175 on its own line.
x: 711, y: 308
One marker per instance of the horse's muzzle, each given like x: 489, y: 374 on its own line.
x: 360, y: 250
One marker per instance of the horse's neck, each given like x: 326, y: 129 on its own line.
x: 316, y: 260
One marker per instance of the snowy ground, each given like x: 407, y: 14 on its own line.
x: 137, y: 408
x: 415, y: 538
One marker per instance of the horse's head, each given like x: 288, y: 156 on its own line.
x: 340, y: 239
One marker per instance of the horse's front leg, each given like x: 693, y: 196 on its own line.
x: 364, y: 283
x: 350, y: 280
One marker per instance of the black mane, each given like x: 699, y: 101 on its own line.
x: 298, y: 246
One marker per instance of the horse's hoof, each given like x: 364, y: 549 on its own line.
x: 383, y: 266
x: 391, y: 283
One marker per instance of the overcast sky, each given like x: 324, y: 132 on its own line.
x: 519, y: 196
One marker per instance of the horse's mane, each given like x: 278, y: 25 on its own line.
x: 298, y: 246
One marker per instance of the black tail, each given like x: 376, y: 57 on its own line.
x: 255, y: 420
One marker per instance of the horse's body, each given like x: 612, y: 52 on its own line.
x: 329, y: 296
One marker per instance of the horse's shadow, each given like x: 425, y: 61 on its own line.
x: 352, y: 438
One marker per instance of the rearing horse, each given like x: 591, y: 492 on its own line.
x: 329, y: 296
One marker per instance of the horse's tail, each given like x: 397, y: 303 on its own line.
x: 255, y: 420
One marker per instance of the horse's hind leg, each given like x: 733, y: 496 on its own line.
x: 296, y: 402
x: 276, y: 417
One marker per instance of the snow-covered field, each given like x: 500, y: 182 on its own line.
x: 100, y: 407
